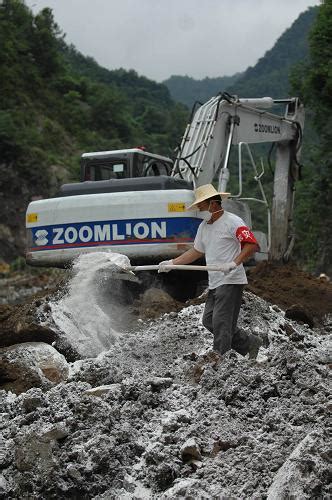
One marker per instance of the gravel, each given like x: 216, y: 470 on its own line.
x: 158, y: 415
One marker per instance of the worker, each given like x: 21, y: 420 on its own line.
x: 225, y: 240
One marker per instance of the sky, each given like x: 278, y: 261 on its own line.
x: 160, y: 38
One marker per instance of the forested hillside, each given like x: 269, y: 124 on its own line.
x: 313, y: 83
x: 269, y: 77
x: 158, y: 120
x: 188, y: 90
x: 56, y: 104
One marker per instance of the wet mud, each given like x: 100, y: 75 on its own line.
x: 287, y: 286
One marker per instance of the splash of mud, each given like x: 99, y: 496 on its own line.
x: 86, y: 314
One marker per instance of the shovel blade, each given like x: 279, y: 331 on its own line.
x: 118, y: 273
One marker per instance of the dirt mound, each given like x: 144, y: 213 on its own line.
x: 286, y: 285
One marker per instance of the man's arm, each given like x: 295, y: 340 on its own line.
x: 191, y: 255
x: 247, y: 251
x: 187, y: 257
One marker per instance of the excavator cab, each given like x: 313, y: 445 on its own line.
x: 123, y: 164
x: 123, y: 171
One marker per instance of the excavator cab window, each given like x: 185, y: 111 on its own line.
x: 103, y: 171
x: 123, y: 166
x: 147, y: 166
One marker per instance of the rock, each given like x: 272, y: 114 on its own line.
x: 19, y: 323
x: 102, y: 389
x: 210, y: 358
x: 32, y: 364
x: 324, y: 353
x: 289, y: 329
x: 295, y: 478
x: 296, y: 336
x: 158, y: 383
x: 34, y: 449
x: 173, y: 315
x: 32, y: 399
x: 54, y: 432
x: 183, y: 415
x: 190, y: 451
x: 298, y: 313
x: 195, y: 464
x: 175, y: 419
x: 32, y: 321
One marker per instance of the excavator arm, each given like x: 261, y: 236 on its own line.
x: 225, y: 121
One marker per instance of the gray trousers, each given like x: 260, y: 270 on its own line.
x: 220, y: 316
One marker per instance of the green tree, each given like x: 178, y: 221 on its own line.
x: 45, y: 47
x: 314, y: 82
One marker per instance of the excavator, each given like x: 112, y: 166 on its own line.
x: 135, y: 203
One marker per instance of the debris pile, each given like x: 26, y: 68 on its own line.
x: 158, y: 415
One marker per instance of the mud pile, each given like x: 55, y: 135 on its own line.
x: 288, y: 286
x: 158, y: 416
x: 280, y: 284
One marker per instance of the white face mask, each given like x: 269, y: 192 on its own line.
x: 206, y: 215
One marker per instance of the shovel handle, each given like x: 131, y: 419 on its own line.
x: 179, y: 267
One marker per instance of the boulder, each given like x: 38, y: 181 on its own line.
x: 297, y: 313
x: 20, y: 323
x: 32, y: 322
x: 32, y: 364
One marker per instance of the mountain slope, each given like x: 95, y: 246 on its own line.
x: 188, y: 90
x: 270, y: 76
x: 56, y: 104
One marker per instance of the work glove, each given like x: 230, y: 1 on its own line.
x: 161, y: 266
x: 227, y: 267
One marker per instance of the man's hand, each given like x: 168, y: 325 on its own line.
x: 228, y: 267
x: 161, y: 266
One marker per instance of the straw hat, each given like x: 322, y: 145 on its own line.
x: 205, y: 192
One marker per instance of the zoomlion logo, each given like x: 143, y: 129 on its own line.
x: 40, y: 237
x: 173, y: 229
x: 267, y: 129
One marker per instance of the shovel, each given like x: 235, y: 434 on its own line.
x: 127, y: 273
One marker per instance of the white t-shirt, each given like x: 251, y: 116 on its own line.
x: 220, y: 244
